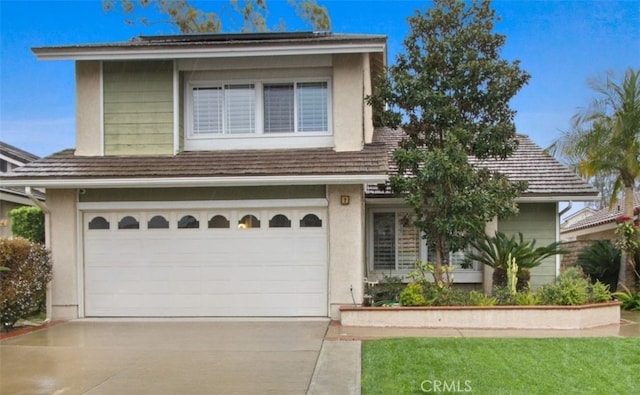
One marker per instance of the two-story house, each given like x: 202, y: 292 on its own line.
x: 240, y: 175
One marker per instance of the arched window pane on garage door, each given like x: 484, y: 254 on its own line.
x: 158, y: 222
x: 218, y: 222
x: 280, y: 221
x: 249, y: 221
x: 98, y: 223
x: 188, y: 222
x: 310, y: 221
x: 128, y: 222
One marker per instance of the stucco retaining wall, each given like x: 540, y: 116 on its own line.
x: 481, y: 317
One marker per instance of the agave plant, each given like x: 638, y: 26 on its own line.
x: 496, y: 251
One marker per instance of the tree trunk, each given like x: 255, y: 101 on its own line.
x: 627, y: 275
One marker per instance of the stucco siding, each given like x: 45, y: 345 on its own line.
x: 88, y: 108
x: 535, y: 221
x: 138, y: 108
x: 346, y: 247
x: 62, y: 222
x: 348, y: 102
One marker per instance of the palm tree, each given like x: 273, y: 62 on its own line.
x: 605, y: 141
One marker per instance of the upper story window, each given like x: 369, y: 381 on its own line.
x: 269, y: 109
x: 224, y: 109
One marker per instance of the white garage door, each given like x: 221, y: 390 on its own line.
x: 263, y: 262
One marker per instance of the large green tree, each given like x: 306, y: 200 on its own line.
x: 605, y: 142
x: 190, y: 19
x: 449, y: 91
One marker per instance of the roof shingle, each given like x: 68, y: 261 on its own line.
x: 545, y: 175
x: 300, y: 162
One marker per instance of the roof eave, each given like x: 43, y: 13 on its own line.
x: 560, y: 197
x: 174, y: 182
x: 190, y: 52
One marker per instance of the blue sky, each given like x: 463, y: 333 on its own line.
x: 560, y: 43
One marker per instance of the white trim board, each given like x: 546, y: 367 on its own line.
x: 168, y: 182
x: 114, y: 53
x: 203, y: 204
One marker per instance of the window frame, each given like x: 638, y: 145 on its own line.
x: 259, y: 126
x: 471, y: 275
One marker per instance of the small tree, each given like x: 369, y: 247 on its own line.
x: 23, y: 285
x: 605, y: 141
x: 449, y: 92
x: 28, y: 222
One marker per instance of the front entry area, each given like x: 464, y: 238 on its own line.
x: 233, y: 262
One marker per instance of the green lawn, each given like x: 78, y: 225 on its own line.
x: 501, y: 366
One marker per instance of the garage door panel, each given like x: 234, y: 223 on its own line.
x: 205, y: 272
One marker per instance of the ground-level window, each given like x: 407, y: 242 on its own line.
x: 397, y: 243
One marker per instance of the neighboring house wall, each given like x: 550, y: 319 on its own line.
x: 138, y: 108
x: 536, y: 221
x: 63, y: 233
x: 5, y: 207
x: 574, y: 249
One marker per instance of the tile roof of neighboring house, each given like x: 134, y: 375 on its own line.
x: 546, y: 176
x: 242, y: 163
x: 604, y: 216
x: 16, y: 153
x: 22, y: 157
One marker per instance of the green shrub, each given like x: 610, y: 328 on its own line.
x: 601, y: 262
x: 526, y: 298
x: 503, y: 295
x: 23, y: 286
x: 388, y: 290
x: 477, y: 298
x: 570, y: 289
x: 630, y: 299
x: 27, y: 222
x: 412, y: 295
x: 448, y: 296
x: 599, y: 293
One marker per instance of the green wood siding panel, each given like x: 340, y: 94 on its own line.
x: 535, y: 221
x: 138, y: 108
x: 187, y: 194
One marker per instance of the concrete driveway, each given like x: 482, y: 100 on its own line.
x: 163, y: 357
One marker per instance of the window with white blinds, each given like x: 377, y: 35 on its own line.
x: 240, y: 109
x: 396, y: 241
x: 260, y: 107
x: 312, y: 107
x: 397, y: 244
x: 207, y: 110
x: 278, y: 108
x: 227, y: 109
